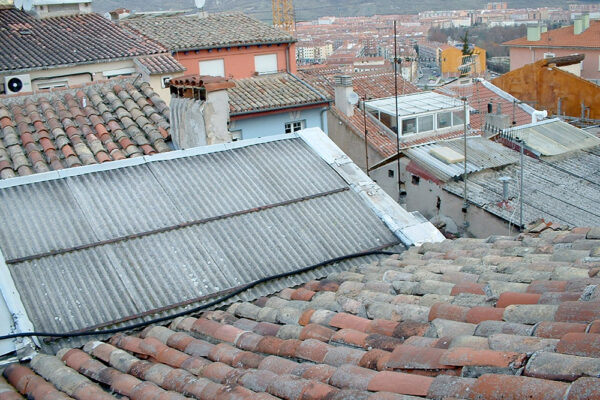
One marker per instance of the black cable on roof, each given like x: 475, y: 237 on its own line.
x: 228, y: 296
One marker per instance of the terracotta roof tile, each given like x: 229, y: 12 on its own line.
x: 562, y: 37
x: 73, y: 127
x: 77, y: 39
x: 279, y: 347
x: 192, y: 32
x: 160, y: 64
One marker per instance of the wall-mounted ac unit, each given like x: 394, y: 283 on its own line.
x: 17, y: 84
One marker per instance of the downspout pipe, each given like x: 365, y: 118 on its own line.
x: 323, y: 121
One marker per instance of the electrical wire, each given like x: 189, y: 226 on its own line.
x: 228, y: 296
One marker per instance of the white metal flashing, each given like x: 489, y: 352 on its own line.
x: 410, y: 228
x: 130, y: 162
x: 17, y: 317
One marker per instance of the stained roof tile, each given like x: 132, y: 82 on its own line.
x: 192, y: 32
x: 338, y: 354
x: 79, y: 39
x: 73, y: 127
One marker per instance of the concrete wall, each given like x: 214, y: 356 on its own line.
x: 156, y: 84
x: 74, y: 75
x: 350, y: 143
x: 521, y: 56
x: 544, y: 86
x: 238, y: 61
x: 274, y: 124
x: 438, y: 205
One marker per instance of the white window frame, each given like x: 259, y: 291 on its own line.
x: 294, y: 126
x: 268, y: 58
x: 549, y: 55
x: 51, y: 84
x: 219, y: 63
x: 164, y: 79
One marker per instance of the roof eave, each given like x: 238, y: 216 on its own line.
x: 281, y: 108
x: 225, y: 46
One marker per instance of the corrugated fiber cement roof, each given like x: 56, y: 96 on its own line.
x: 109, y: 245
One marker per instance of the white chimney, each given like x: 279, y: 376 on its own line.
x: 534, y: 32
x: 343, y: 93
x: 578, y: 26
x: 586, y: 20
x: 199, y: 111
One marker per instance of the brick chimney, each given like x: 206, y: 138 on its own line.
x: 199, y: 110
x: 343, y: 90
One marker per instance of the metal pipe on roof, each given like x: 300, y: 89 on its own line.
x: 397, y: 119
x: 465, y: 204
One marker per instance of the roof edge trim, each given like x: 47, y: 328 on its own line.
x: 12, y: 298
x: 411, y: 228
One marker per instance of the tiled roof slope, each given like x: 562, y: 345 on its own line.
x: 497, y: 318
x: 271, y: 92
x: 372, y: 84
x: 191, y: 32
x: 563, y: 37
x: 65, y: 128
x: 480, y: 94
x: 27, y: 42
x: 160, y: 64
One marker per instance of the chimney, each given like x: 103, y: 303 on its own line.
x: 534, y: 32
x: 495, y: 122
x: 343, y: 91
x: 578, y: 26
x: 586, y: 20
x: 544, y: 28
x: 505, y: 180
x: 199, y: 111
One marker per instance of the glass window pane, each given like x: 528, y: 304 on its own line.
x: 409, y: 126
x: 458, y: 118
x: 444, y: 120
x: 426, y: 123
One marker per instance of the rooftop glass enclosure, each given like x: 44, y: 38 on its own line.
x: 419, y: 112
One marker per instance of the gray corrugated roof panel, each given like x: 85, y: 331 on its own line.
x: 554, y: 137
x: 133, y: 241
x: 481, y: 154
x: 551, y: 191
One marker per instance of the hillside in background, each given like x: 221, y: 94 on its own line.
x: 311, y: 9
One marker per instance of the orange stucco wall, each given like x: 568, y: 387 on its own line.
x: 451, y: 59
x: 238, y: 61
x: 543, y: 86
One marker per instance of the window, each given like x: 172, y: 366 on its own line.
x: 425, y: 123
x: 294, y: 126
x: 458, y: 118
x: 409, y: 126
x: 212, y: 68
x: 444, y: 120
x: 390, y: 173
x: 415, y: 180
x: 164, y: 81
x: 236, y: 135
x: 549, y: 55
x: 265, y: 64
x: 49, y: 84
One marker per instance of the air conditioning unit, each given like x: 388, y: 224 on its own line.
x: 17, y: 84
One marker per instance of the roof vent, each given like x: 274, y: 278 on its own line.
x: 343, y: 80
x: 505, y: 180
x: 24, y: 32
